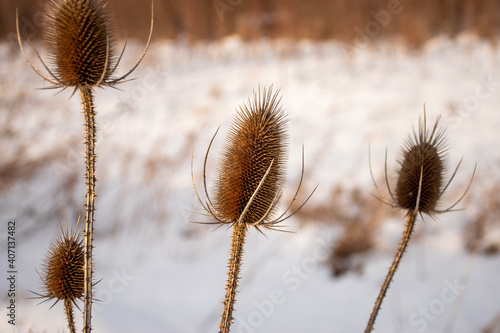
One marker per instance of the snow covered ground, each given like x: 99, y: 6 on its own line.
x: 161, y: 273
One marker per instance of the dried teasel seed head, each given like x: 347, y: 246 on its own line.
x: 63, y: 274
x: 421, y: 169
x: 255, y: 154
x: 78, y: 35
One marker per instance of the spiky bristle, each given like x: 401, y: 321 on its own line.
x: 63, y: 271
x: 421, y: 166
x: 79, y: 37
x: 256, y: 144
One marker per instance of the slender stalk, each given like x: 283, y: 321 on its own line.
x: 90, y: 158
x: 410, y: 223
x: 233, y: 275
x: 68, y: 309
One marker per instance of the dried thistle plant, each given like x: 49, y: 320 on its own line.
x: 79, y: 38
x: 419, y: 188
x: 63, y: 272
x: 251, y: 174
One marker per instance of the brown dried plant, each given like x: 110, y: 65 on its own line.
x: 251, y: 174
x: 79, y: 37
x: 419, y: 188
x: 63, y: 272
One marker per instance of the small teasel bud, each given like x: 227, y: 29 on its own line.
x: 64, y: 268
x: 63, y: 272
x: 79, y: 38
x: 252, y: 166
x: 421, y: 170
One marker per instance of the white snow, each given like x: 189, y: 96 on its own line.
x: 161, y: 273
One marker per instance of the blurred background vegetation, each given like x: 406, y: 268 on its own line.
x: 414, y: 21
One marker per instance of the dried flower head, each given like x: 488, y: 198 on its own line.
x: 255, y: 151
x: 79, y: 37
x: 252, y: 166
x: 421, y: 169
x: 63, y: 270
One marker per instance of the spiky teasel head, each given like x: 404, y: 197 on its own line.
x: 63, y: 271
x: 251, y: 169
x: 79, y: 37
x: 421, y: 170
x: 252, y: 165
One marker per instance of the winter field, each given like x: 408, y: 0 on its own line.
x: 159, y: 272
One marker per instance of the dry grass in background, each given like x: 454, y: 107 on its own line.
x: 359, y: 216
x: 482, y: 233
x: 19, y: 166
x: 415, y: 21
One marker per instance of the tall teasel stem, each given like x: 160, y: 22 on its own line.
x: 233, y: 274
x: 410, y: 223
x: 90, y: 180
x: 420, y: 185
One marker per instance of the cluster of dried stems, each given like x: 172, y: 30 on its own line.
x: 251, y: 171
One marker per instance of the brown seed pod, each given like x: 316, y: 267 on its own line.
x: 78, y: 35
x: 421, y: 169
x: 420, y: 174
x: 252, y: 166
x: 63, y: 270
